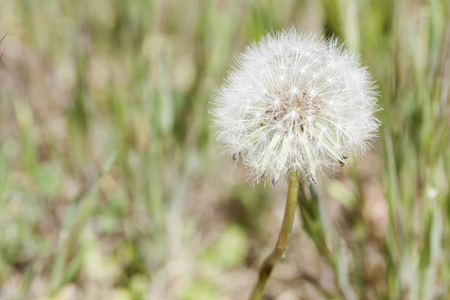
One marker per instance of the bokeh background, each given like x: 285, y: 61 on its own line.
x: 112, y: 187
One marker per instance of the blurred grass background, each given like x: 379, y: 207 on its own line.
x: 112, y: 188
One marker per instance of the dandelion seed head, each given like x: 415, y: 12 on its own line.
x: 296, y: 101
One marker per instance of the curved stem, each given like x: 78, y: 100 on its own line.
x: 283, y: 238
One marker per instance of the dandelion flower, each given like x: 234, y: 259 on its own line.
x: 296, y: 102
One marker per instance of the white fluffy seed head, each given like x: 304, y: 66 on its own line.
x: 296, y: 102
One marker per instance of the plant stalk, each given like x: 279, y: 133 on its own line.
x: 283, y: 238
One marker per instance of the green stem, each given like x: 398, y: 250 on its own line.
x: 283, y: 238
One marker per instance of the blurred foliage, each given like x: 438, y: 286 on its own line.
x: 111, y: 187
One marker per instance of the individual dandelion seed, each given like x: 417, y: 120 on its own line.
x: 296, y: 102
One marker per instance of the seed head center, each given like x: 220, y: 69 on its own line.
x: 294, y: 110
